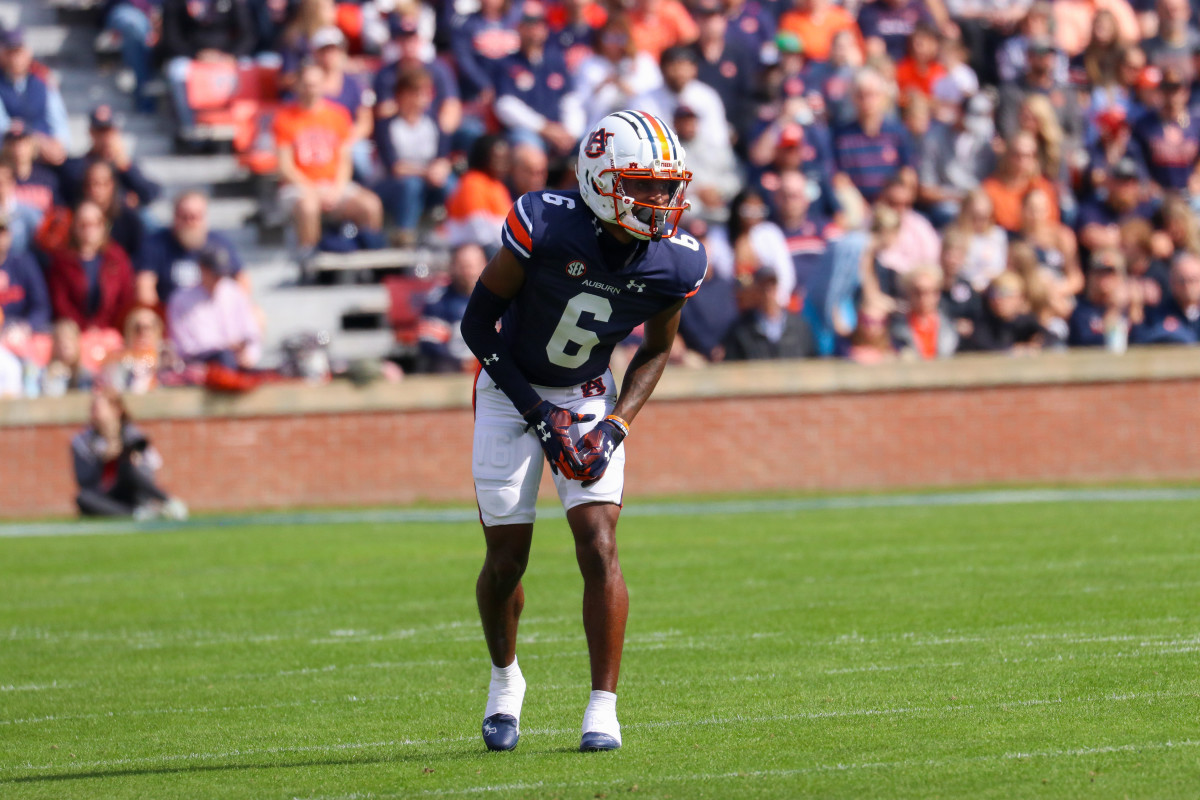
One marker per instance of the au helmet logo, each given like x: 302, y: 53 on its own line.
x: 597, y: 143
x: 576, y: 269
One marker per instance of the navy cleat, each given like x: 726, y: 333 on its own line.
x: 593, y: 742
x: 501, y: 732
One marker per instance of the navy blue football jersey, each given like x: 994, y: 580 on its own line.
x: 582, y: 295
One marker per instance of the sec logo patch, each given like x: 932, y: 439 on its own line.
x: 576, y: 269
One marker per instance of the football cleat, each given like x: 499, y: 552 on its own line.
x: 593, y: 742
x: 501, y: 732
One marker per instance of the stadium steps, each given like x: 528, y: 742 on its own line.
x: 288, y: 307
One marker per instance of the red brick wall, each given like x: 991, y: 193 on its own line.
x: 875, y: 440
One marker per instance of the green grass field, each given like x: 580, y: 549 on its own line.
x: 1006, y: 651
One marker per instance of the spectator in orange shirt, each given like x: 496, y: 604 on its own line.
x: 314, y: 136
x: 656, y: 25
x: 815, y: 23
x: 475, y: 211
x: 920, y: 69
x: 1018, y: 174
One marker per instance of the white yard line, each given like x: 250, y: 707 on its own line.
x: 700, y: 777
x: 737, y: 507
x: 733, y: 720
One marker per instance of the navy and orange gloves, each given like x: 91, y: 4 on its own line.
x: 596, y: 447
x: 553, y: 428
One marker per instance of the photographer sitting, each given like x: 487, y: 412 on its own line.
x: 115, y: 466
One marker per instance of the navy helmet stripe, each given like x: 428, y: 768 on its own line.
x: 645, y: 127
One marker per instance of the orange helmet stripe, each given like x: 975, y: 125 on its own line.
x: 664, y: 141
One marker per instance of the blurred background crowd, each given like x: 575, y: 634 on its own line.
x: 872, y: 180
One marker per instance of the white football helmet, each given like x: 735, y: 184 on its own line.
x: 628, y: 160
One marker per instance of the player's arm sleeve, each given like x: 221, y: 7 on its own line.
x: 484, y: 310
x: 517, y: 233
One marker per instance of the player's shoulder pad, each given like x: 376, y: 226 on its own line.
x: 689, y: 262
x: 538, y: 218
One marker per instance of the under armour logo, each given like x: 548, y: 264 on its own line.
x: 544, y: 431
x: 492, y: 359
x: 489, y: 728
x: 637, y: 287
x: 608, y: 449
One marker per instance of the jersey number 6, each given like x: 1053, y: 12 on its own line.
x: 568, y: 330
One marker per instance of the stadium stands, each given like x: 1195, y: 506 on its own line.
x: 1053, y: 149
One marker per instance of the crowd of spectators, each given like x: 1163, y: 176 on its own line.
x: 873, y: 179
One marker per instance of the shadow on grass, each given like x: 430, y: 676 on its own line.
x: 394, y: 758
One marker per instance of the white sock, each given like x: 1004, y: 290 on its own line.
x: 506, y: 691
x: 601, y: 714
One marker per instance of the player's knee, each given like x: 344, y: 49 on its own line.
x: 597, y: 557
x: 505, y: 567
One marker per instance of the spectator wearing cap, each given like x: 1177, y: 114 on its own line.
x: 610, y: 78
x: 447, y: 107
x: 1112, y: 143
x: 22, y: 219
x: 214, y: 321
x: 32, y: 98
x: 726, y: 64
x: 1100, y: 218
x: 479, y: 42
x: 716, y: 176
x: 1169, y: 141
x: 205, y: 31
x: 169, y: 258
x: 1012, y: 57
x: 790, y: 90
x: 815, y: 23
x: 24, y: 299
x: 956, y: 154
x: 350, y: 91
x: 414, y: 154
x: 681, y: 87
x: 766, y: 328
x: 1039, y: 79
x: 294, y: 41
x: 1072, y: 22
x: 533, y: 89
x: 480, y: 201
x: 887, y: 25
x: 787, y: 146
x: 441, y: 347
x: 89, y: 278
x: 108, y: 145
x: 314, y: 137
x: 1108, y: 309
x: 659, y: 24
x: 875, y: 148
x: 37, y: 185
x: 1176, y: 320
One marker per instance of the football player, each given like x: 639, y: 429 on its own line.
x: 579, y: 270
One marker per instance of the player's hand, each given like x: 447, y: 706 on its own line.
x: 596, y: 448
x: 553, y: 428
